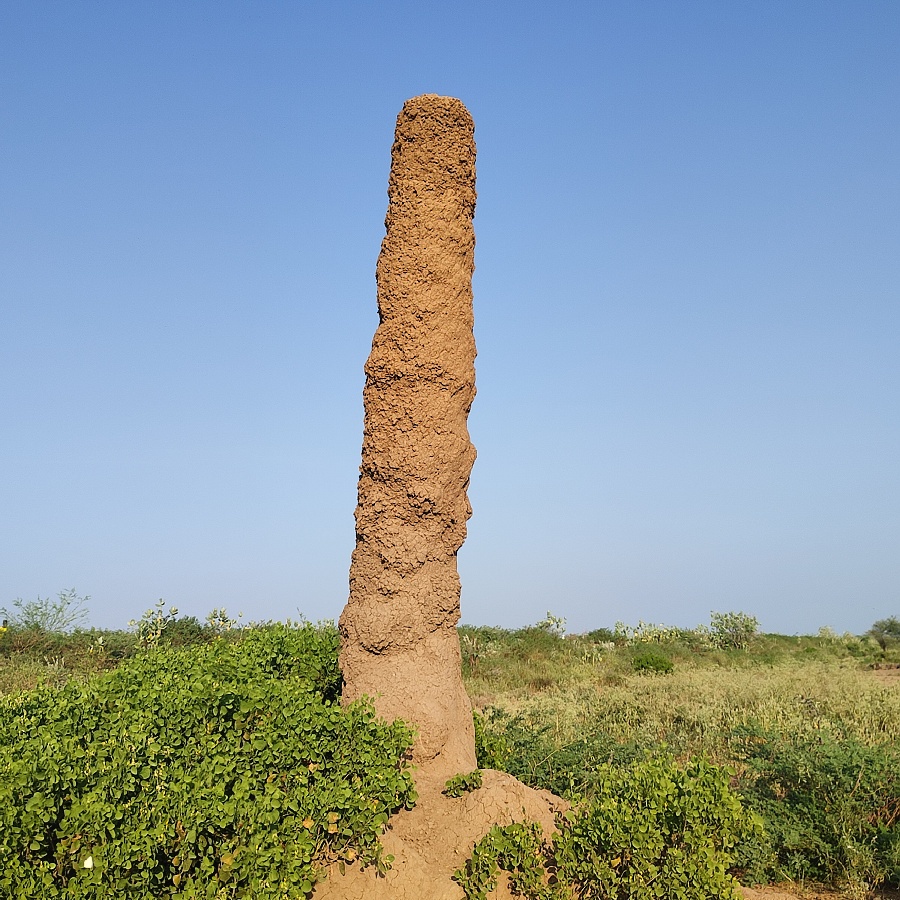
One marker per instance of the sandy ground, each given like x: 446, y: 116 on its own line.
x: 889, y: 676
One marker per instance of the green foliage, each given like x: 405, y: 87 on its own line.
x: 186, y: 630
x: 475, y: 645
x: 647, y: 633
x: 219, y: 622
x: 517, y: 849
x: 46, y: 615
x: 553, y: 624
x: 651, y: 662
x: 32, y: 658
x: 601, y: 636
x: 810, y: 695
x: 526, y: 749
x: 491, y: 747
x: 885, y: 631
x: 218, y: 770
x: 831, y: 807
x: 733, y: 630
x: 889, y: 627
x: 654, y: 830
x: 650, y: 831
x: 463, y: 784
x: 535, y: 656
x: 154, y: 623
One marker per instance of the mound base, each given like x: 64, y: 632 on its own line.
x: 429, y: 843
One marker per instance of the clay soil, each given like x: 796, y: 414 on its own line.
x: 432, y: 841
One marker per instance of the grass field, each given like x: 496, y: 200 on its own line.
x: 577, y: 685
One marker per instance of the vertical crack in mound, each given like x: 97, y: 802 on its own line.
x: 398, y: 631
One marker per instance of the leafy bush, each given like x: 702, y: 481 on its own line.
x: 186, y: 630
x: 601, y: 636
x: 525, y: 748
x: 733, y: 630
x: 154, y: 623
x: 650, y: 831
x: 647, y: 633
x: 216, y: 770
x: 885, y: 631
x: 518, y: 849
x: 831, y: 807
x: 651, y: 662
x: 554, y: 624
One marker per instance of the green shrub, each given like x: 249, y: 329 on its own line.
x: 525, y: 748
x: 885, y: 632
x: 518, y: 849
x: 463, y: 784
x: 601, y: 636
x: 651, y: 662
x: 224, y: 769
x: 650, y: 831
x: 733, y: 630
x: 831, y: 806
x: 186, y: 630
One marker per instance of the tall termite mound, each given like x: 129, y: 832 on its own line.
x: 398, y: 630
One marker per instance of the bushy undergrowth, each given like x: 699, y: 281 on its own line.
x: 651, y: 662
x: 527, y: 748
x: 214, y: 771
x: 831, y: 805
x: 650, y: 830
x: 822, y: 780
x: 214, y: 761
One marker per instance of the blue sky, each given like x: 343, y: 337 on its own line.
x: 687, y: 302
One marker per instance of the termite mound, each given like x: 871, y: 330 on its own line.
x: 399, y: 644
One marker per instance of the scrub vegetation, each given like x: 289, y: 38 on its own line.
x: 807, y: 729
x: 191, y: 759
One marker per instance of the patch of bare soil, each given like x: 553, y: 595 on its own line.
x: 786, y: 892
x: 887, y: 673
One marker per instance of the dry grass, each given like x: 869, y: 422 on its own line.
x: 695, y: 709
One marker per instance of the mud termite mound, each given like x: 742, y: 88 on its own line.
x: 399, y: 641
x: 399, y: 644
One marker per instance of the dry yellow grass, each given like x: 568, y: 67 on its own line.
x: 694, y: 710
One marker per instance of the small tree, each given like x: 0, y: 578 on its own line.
x: 885, y: 631
x: 46, y: 615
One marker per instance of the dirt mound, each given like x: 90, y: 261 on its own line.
x: 429, y: 843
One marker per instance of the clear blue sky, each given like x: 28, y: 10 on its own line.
x: 687, y: 302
